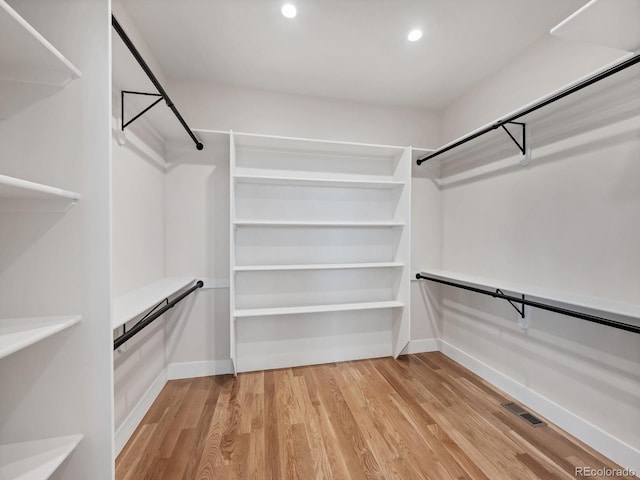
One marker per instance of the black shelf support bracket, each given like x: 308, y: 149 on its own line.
x: 543, y: 306
x: 161, y: 91
x: 519, y: 310
x: 522, y: 147
x: 540, y: 104
x: 124, y: 124
x: 152, y: 315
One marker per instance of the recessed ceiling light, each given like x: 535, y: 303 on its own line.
x: 289, y: 10
x: 414, y: 35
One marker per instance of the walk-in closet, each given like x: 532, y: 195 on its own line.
x: 295, y: 239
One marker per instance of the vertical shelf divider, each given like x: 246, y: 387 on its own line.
x: 232, y: 255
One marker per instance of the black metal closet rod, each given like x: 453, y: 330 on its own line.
x: 150, y: 318
x: 544, y: 306
x: 568, y: 91
x: 134, y: 51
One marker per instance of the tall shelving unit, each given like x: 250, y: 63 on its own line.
x: 320, y: 236
x: 52, y: 364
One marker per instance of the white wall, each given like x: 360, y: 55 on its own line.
x: 138, y: 213
x: 547, y: 65
x: 138, y: 260
x: 220, y: 107
x: 197, y: 239
x: 197, y: 189
x: 569, y: 221
x: 426, y: 244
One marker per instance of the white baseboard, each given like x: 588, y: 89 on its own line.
x: 623, y: 454
x: 176, y: 371
x: 129, y: 425
x: 421, y: 346
x: 273, y: 361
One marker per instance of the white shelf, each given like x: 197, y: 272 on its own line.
x: 318, y: 266
x: 19, y: 333
x: 36, y: 460
x: 344, y: 307
x: 130, y: 305
x: 31, y: 67
x: 317, y: 146
x: 319, y: 182
x: 18, y: 194
x: 609, y: 23
x: 265, y: 223
x: 569, y: 300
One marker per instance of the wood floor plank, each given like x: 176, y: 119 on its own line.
x: 231, y: 426
x: 536, y: 467
x: 211, y: 456
x: 212, y: 390
x: 360, y: 461
x: 239, y: 457
x: 256, y: 459
x: 273, y: 464
x: 177, y: 464
x: 336, y: 462
x: 319, y: 457
x: 421, y: 417
x: 404, y: 426
x: 131, y: 457
x: 458, y: 454
x: 365, y: 413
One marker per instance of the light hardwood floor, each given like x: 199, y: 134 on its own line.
x: 420, y: 417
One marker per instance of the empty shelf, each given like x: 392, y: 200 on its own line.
x: 130, y: 305
x: 319, y: 182
x: 19, y: 333
x: 568, y: 300
x: 608, y: 23
x: 345, y: 307
x: 36, y: 460
x: 269, y: 223
x: 320, y: 266
x: 18, y: 194
x: 31, y: 67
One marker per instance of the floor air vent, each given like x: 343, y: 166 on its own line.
x: 522, y: 413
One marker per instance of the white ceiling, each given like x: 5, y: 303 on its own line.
x: 345, y: 49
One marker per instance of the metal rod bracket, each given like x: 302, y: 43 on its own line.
x: 519, y: 310
x: 124, y: 124
x: 523, y: 147
x: 523, y: 319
